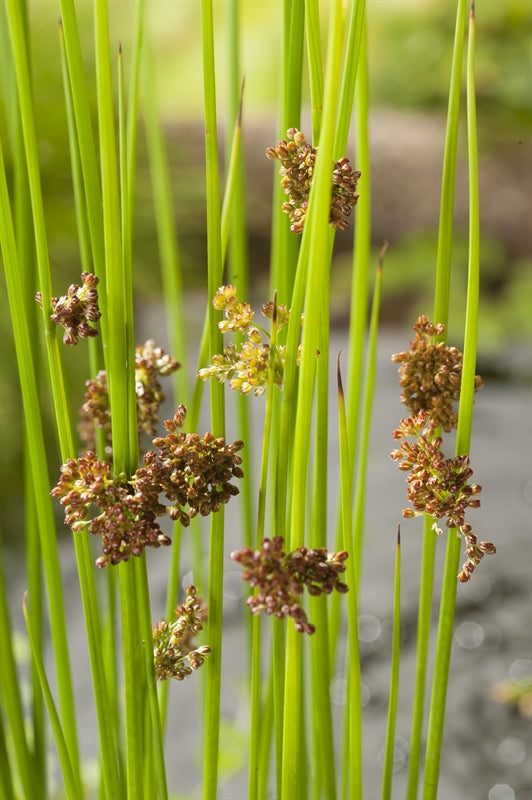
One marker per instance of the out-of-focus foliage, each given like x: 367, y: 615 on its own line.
x: 410, y: 55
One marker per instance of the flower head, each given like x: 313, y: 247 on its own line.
x: 438, y: 486
x: 281, y: 577
x: 196, y: 472
x: 76, y: 309
x: 430, y: 374
x: 298, y: 159
x: 174, y: 654
x: 151, y: 362
x: 128, y: 509
x: 246, y: 367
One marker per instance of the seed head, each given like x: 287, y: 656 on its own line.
x: 174, y: 654
x: 281, y: 577
x: 76, y: 309
x: 430, y: 375
x: 298, y: 159
x: 246, y: 367
x: 150, y: 363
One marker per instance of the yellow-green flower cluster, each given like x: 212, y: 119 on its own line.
x: 174, y: 654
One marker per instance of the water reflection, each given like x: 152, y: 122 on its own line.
x: 512, y: 751
x: 501, y: 791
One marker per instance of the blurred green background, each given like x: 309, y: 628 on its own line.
x: 410, y: 47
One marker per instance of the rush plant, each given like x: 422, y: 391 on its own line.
x: 124, y: 483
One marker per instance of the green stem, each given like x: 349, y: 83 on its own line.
x: 394, y: 678
x: 214, y: 280
x: 441, y: 314
x: 353, y: 732
x: 463, y: 438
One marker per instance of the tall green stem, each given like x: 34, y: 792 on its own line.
x: 463, y: 438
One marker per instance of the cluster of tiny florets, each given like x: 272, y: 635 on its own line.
x: 439, y: 486
x: 151, y: 362
x: 247, y: 365
x: 298, y: 159
x: 280, y: 578
x: 436, y: 485
x: 197, y: 472
x: 194, y: 474
x: 430, y: 374
x: 75, y: 310
x: 174, y: 654
x: 128, y: 512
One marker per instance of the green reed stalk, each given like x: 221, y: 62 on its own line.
x: 285, y: 246
x: 32, y: 780
x: 86, y: 144
x: 360, y: 278
x: 256, y: 754
x: 394, y: 677
x: 352, y: 766
x: 368, y: 394
x: 23, y: 224
x: 350, y: 74
x: 71, y: 779
x: 317, y: 235
x: 166, y: 234
x: 322, y: 727
x: 463, y: 438
x: 214, y: 280
x: 315, y: 71
x: 441, y: 315
x: 118, y: 345
x: 18, y: 43
x: 237, y: 269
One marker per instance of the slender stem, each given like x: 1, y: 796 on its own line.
x: 394, y: 678
x: 463, y: 438
x: 214, y: 280
x: 441, y: 314
x: 353, y: 732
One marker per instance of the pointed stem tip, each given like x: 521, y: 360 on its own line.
x: 339, y: 376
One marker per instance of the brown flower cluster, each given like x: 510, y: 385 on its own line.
x: 128, y: 509
x: 281, y: 577
x: 246, y: 367
x: 430, y: 377
x: 174, y: 654
x: 76, y: 309
x: 297, y: 159
x: 150, y: 363
x: 196, y: 472
x: 430, y: 374
x: 439, y: 486
x: 190, y: 471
